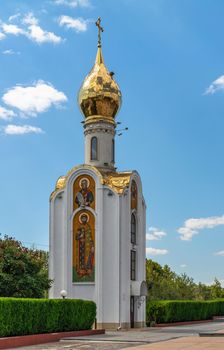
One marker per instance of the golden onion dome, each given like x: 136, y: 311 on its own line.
x: 99, y: 95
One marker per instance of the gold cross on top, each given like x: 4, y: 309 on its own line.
x: 100, y: 29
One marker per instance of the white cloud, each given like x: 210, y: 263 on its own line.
x: 39, y: 35
x: 183, y: 265
x: 12, y: 29
x: 221, y: 253
x: 14, y: 17
x: 34, y: 99
x: 153, y: 251
x: 193, y: 226
x: 36, y: 33
x: 215, y: 86
x: 29, y: 27
x: 78, y: 24
x: 73, y: 3
x: 10, y: 52
x: 6, y: 114
x: 155, y: 234
x: 2, y: 36
x: 21, y: 130
x: 30, y: 19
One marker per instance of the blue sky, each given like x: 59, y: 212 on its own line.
x: 169, y: 62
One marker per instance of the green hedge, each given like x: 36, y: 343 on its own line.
x: 167, y: 311
x: 32, y: 316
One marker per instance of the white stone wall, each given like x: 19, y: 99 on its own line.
x: 112, y: 287
x: 56, y: 242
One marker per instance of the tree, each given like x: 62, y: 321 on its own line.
x: 216, y: 290
x: 23, y: 271
x: 203, y: 292
x: 160, y: 281
x: 164, y: 284
x: 185, y: 287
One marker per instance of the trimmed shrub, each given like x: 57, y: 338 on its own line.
x: 168, y: 311
x: 33, y: 316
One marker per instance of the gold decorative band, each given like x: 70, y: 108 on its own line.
x: 99, y: 118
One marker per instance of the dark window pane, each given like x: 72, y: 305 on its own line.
x: 133, y: 265
x: 94, y: 148
x: 113, y: 151
x: 133, y: 229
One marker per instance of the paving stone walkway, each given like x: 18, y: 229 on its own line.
x: 79, y: 345
x: 188, y: 343
x: 175, y: 338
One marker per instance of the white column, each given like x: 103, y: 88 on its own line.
x: 104, y: 132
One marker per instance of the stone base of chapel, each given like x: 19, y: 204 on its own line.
x: 140, y: 324
x: 118, y: 326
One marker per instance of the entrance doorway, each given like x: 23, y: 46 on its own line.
x: 132, y: 311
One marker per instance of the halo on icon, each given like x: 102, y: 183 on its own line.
x: 84, y: 178
x: 80, y: 217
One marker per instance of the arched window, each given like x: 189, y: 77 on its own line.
x: 113, y: 151
x: 133, y: 229
x: 133, y: 265
x: 93, y: 155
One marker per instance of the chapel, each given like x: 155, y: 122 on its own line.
x: 98, y: 215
